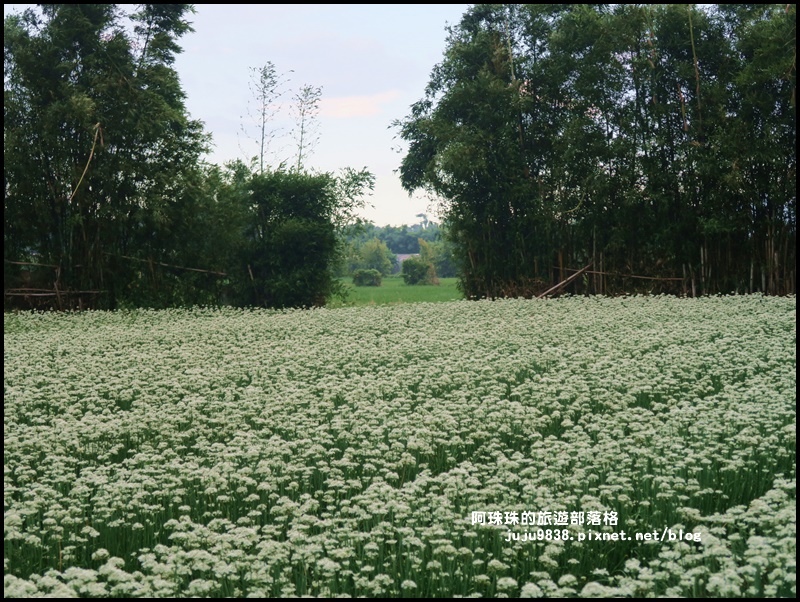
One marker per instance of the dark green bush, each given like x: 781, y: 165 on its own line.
x: 418, y: 271
x: 290, y: 240
x: 367, y: 278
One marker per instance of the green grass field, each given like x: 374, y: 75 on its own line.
x: 393, y: 290
x: 582, y: 446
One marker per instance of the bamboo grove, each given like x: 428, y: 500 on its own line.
x: 654, y: 143
x: 651, y: 147
x: 99, y: 154
x: 107, y: 202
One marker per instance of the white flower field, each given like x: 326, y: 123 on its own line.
x: 582, y: 446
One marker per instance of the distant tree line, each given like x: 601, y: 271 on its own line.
x: 654, y: 143
x: 107, y: 203
x: 399, y: 239
x: 368, y: 246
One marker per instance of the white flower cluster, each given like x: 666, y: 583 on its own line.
x: 342, y: 452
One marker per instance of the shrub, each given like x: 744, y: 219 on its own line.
x: 367, y: 278
x: 418, y: 271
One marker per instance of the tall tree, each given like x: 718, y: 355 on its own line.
x: 98, y: 144
x: 266, y: 87
x: 306, y: 131
x: 654, y: 141
x: 467, y: 144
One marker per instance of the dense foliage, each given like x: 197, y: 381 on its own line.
x: 291, y: 241
x: 653, y: 143
x: 106, y: 201
x: 237, y: 453
x: 400, y: 240
x: 100, y: 158
x: 651, y: 140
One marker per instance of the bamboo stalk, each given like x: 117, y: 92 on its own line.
x: 683, y: 267
x: 168, y: 265
x: 776, y: 291
x: 623, y: 275
x: 563, y: 283
x: 51, y: 294
x: 58, y: 295
x: 602, y: 276
x: 785, y: 266
x: 594, y: 257
x: 702, y: 272
x: 44, y: 265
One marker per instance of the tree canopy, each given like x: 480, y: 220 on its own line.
x: 107, y: 202
x: 98, y: 148
x: 650, y: 146
x: 647, y: 140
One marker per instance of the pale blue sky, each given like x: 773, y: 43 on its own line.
x: 371, y: 60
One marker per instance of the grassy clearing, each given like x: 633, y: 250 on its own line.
x: 393, y: 291
x: 368, y: 451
